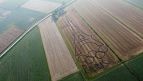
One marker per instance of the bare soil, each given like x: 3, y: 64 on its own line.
x: 123, y: 42
x: 58, y: 56
x: 91, y: 52
x: 8, y: 36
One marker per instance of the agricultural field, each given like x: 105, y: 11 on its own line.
x: 125, y: 43
x: 80, y: 23
x: 59, y: 59
x: 8, y: 37
x: 88, y: 40
x: 26, y: 61
x: 12, y: 15
x: 133, y: 20
x: 73, y: 77
x: 90, y: 51
x: 24, y: 18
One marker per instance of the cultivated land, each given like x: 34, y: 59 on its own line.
x: 14, y: 22
x: 122, y: 41
x: 133, y: 20
x: 26, y: 61
x: 41, y: 5
x: 90, y: 51
x: 7, y: 37
x: 102, y: 36
x: 58, y: 56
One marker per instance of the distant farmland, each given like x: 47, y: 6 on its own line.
x: 26, y: 61
x: 133, y: 19
x: 122, y: 40
x: 89, y: 40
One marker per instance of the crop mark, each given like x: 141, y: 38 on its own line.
x: 90, y: 52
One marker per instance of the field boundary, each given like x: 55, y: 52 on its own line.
x: 29, y: 29
x: 23, y: 35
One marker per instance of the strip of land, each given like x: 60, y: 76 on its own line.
x: 125, y: 12
x: 91, y: 52
x: 58, y: 56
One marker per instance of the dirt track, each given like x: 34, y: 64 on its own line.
x: 125, y: 43
x: 58, y: 56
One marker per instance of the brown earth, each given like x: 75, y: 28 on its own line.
x: 123, y: 42
x: 58, y: 56
x: 8, y: 36
x: 125, y: 12
x: 91, y: 52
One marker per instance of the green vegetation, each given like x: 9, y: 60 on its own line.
x: 73, y: 77
x: 136, y: 65
x: 118, y: 74
x: 21, y: 18
x: 26, y: 61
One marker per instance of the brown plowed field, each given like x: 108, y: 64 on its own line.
x: 7, y: 37
x: 91, y: 52
x: 122, y: 41
x: 58, y: 56
x: 125, y: 12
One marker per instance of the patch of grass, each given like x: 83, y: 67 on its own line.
x: 136, y: 65
x: 26, y: 61
x: 117, y: 74
x: 73, y: 77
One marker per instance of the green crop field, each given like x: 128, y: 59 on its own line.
x: 120, y: 73
x: 74, y: 77
x: 136, y: 65
x: 26, y: 61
